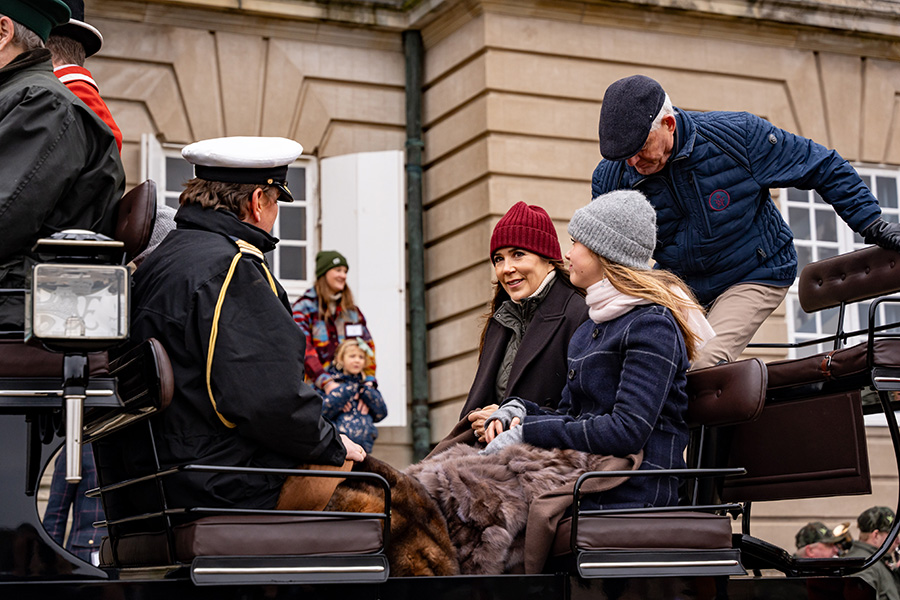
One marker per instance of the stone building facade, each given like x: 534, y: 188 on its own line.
x: 511, y: 97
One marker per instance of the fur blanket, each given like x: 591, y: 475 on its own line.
x: 502, y: 510
x: 460, y: 512
x: 419, y: 542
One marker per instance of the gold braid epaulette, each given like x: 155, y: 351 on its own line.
x: 243, y: 248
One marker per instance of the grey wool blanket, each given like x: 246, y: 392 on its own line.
x: 502, y: 510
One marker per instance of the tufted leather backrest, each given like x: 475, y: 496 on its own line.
x: 135, y: 219
x: 851, y: 277
x: 726, y: 394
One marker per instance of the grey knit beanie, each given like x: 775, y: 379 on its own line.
x: 619, y: 226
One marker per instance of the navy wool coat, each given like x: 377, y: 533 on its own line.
x: 625, y: 393
x: 539, y: 369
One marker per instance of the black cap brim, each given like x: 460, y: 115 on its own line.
x: 87, y: 35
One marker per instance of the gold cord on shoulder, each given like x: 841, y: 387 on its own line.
x: 244, y: 248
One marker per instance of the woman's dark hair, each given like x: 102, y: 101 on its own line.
x: 500, y: 296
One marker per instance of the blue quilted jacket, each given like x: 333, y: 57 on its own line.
x: 717, y: 223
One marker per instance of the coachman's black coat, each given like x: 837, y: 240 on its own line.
x: 257, y: 370
x: 539, y: 370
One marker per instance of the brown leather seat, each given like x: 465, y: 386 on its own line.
x: 684, y: 530
x: 831, y: 366
x: 18, y: 359
x: 252, y: 535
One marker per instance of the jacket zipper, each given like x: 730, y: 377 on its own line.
x: 702, y: 206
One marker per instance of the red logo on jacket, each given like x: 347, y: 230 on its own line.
x: 719, y: 200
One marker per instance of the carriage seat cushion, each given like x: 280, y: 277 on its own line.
x: 18, y: 359
x: 250, y: 535
x: 680, y: 530
x: 829, y: 366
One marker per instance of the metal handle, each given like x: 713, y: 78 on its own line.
x: 74, y: 417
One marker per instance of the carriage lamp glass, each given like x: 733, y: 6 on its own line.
x: 78, y: 302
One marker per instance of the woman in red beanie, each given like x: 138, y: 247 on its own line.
x: 533, y: 314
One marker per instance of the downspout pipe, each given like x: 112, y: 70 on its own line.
x: 413, y: 50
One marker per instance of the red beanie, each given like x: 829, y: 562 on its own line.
x: 528, y: 228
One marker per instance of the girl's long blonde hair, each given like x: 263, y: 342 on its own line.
x: 323, y: 293
x: 656, y: 286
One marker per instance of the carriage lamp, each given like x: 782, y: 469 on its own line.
x: 83, y: 306
x: 76, y: 308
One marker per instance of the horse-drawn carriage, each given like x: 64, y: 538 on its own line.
x: 760, y: 432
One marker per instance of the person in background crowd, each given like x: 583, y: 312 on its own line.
x: 534, y: 311
x: 70, y: 44
x: 708, y: 176
x: 874, y: 527
x: 627, y: 366
x: 327, y: 315
x: 355, y: 404
x: 815, y: 540
x: 59, y: 163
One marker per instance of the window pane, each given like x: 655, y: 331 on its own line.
x: 178, y: 172
x: 292, y: 222
x: 293, y: 262
x: 804, y: 257
x: 803, y: 322
x: 817, y: 198
x: 799, y: 220
x: 829, y: 320
x: 891, y: 315
x: 297, y: 182
x: 173, y: 202
x: 826, y: 228
x: 826, y: 252
x: 887, y: 191
x: 867, y: 180
x: 795, y: 195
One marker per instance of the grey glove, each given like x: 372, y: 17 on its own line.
x: 884, y: 234
x: 511, y: 409
x: 507, y: 438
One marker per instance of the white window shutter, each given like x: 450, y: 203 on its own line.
x: 363, y: 218
x: 153, y: 164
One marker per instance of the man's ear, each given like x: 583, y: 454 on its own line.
x: 7, y: 30
x: 256, y: 205
x: 669, y: 122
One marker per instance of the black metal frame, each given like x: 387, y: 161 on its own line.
x: 166, y: 513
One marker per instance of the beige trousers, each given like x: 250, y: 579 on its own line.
x: 735, y: 316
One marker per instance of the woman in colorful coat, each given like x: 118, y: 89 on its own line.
x: 327, y: 316
x: 627, y: 365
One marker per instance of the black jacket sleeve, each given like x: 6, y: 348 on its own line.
x: 257, y: 369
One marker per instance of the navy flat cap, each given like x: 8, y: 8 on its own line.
x: 629, y: 107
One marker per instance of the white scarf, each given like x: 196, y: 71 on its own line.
x: 606, y: 303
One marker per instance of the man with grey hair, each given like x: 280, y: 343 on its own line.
x: 59, y: 163
x: 708, y: 176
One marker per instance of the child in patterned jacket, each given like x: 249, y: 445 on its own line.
x: 355, y: 405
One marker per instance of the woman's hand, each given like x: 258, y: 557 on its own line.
x: 478, y: 416
x: 362, y: 407
x: 355, y: 452
x: 330, y: 386
x: 495, y: 428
